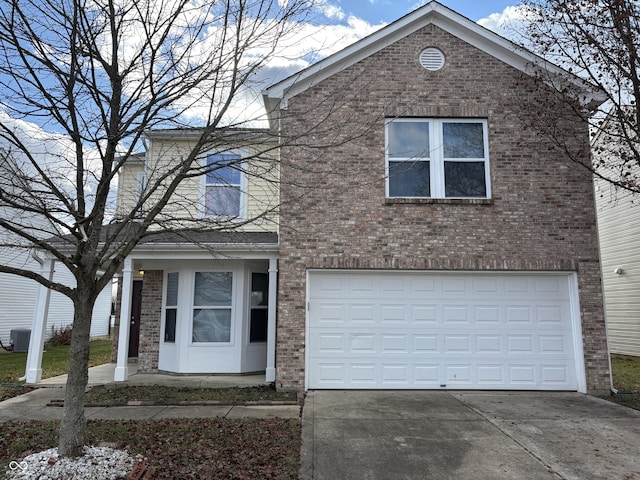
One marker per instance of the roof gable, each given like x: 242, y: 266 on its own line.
x: 433, y: 13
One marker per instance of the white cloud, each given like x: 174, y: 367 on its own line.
x: 53, y: 153
x: 509, y: 23
x: 304, y: 44
x: 331, y: 11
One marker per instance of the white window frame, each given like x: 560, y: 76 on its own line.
x: 251, y: 307
x: 436, y: 157
x: 165, y: 308
x: 193, y: 307
x: 242, y: 187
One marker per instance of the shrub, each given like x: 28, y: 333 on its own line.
x: 60, y: 336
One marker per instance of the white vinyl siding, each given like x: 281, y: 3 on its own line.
x: 18, y: 299
x: 261, y: 185
x: 619, y: 232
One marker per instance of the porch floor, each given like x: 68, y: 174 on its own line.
x: 103, y: 374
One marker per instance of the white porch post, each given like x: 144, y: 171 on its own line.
x: 39, y: 325
x: 122, y: 370
x: 270, y: 373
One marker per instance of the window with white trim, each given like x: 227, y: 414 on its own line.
x: 171, y: 307
x: 259, y: 316
x: 224, y: 186
x: 212, y: 307
x: 437, y: 158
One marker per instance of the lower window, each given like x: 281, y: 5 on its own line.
x: 259, y: 307
x: 212, y: 307
x: 171, y: 307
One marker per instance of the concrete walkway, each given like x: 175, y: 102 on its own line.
x: 35, y: 405
x: 409, y: 435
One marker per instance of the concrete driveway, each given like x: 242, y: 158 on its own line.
x: 366, y: 435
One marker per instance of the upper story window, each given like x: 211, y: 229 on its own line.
x: 437, y: 158
x: 224, y: 186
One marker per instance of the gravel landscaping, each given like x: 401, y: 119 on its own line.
x: 97, y: 463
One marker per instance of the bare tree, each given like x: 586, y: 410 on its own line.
x: 96, y: 75
x: 599, y: 41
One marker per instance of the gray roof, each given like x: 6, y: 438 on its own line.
x: 208, y: 238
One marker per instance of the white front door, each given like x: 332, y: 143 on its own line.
x: 437, y: 330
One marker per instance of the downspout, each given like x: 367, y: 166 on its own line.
x: 617, y: 393
x: 36, y: 257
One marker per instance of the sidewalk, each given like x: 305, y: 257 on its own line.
x: 35, y: 405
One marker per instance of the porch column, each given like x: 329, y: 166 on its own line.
x: 270, y: 373
x: 121, y: 372
x: 39, y: 325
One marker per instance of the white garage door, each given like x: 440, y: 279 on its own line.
x: 376, y: 330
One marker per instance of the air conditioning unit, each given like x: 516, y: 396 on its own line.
x: 20, y: 339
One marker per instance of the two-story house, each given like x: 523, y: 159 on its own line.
x: 426, y: 239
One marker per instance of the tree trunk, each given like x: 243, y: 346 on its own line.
x: 71, y: 434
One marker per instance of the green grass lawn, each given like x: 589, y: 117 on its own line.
x: 55, y: 361
x: 626, y: 378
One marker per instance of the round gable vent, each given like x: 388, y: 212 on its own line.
x: 432, y: 59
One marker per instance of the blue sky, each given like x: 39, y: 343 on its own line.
x: 339, y: 24
x: 376, y: 11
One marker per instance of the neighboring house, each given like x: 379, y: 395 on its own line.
x: 619, y: 232
x: 425, y: 240
x: 18, y: 295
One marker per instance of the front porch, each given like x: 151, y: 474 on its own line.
x: 186, y: 310
x: 104, y: 374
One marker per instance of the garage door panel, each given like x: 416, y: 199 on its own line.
x: 487, y: 314
x: 407, y: 330
x: 485, y: 342
x: 455, y: 314
x: 425, y: 343
x: 394, y: 314
x: 552, y: 344
x: 491, y: 374
x: 551, y: 314
x: 490, y: 344
x: 520, y: 316
x: 429, y: 375
x: 394, y: 343
x: 423, y: 314
x: 361, y: 314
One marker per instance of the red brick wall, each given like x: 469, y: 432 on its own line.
x: 541, y: 216
x: 150, y: 320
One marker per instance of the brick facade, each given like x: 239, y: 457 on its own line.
x: 150, y: 320
x: 541, y: 216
